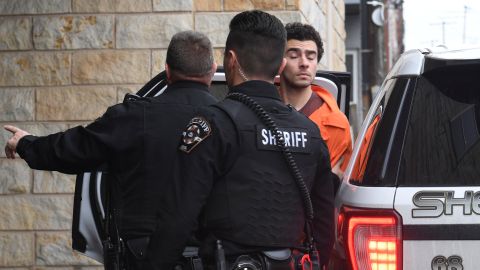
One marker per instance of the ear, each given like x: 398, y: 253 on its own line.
x: 229, y: 59
x: 167, y: 70
x: 212, y: 73
x: 214, y: 67
x: 282, y: 65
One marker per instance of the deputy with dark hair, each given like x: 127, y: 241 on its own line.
x: 136, y: 139
x: 233, y: 182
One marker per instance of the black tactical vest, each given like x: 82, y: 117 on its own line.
x: 257, y: 202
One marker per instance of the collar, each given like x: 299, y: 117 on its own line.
x: 187, y: 84
x: 313, y: 103
x: 257, y: 88
x: 325, y: 95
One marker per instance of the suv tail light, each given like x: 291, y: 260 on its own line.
x: 372, y: 238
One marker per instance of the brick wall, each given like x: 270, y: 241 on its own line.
x: 63, y: 62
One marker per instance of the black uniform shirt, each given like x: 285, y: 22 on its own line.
x: 212, y: 143
x: 136, y: 139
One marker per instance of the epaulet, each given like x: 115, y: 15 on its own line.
x: 132, y: 97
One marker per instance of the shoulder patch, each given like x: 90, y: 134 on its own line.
x: 198, y: 129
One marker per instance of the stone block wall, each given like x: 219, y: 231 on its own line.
x: 63, y: 62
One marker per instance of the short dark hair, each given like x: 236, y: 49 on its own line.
x: 259, y: 40
x: 190, y: 53
x: 303, y: 32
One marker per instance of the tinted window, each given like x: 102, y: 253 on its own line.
x: 371, y: 165
x: 442, y: 146
x: 358, y: 172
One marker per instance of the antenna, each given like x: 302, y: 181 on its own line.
x: 465, y: 10
x: 442, y: 23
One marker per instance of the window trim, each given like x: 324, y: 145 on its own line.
x: 355, y: 73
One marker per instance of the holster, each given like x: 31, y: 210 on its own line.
x: 284, y: 259
x: 279, y: 259
x: 135, y: 253
x: 138, y: 247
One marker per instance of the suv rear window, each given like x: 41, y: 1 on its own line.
x: 375, y: 164
x: 441, y: 147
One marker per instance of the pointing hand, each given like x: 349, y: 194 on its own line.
x: 11, y: 147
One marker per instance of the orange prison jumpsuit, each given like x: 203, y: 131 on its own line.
x: 334, y: 127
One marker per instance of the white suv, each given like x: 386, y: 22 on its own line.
x: 410, y: 197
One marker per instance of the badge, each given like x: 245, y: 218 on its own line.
x: 197, y: 130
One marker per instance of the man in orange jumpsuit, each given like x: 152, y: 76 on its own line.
x: 304, y: 51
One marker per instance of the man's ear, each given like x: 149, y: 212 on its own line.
x: 230, y: 58
x: 214, y: 67
x: 212, y: 72
x: 282, y: 66
x: 169, y: 74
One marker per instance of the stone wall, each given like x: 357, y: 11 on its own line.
x: 63, y: 62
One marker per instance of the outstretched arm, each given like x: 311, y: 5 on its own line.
x: 80, y: 148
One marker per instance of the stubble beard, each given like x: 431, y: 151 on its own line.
x: 298, y: 86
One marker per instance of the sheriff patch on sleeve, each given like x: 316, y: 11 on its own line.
x: 197, y: 130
